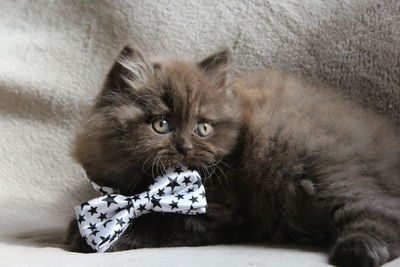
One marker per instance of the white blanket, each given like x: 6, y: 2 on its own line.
x: 54, y: 56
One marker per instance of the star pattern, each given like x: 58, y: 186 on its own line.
x: 193, y: 199
x: 173, y: 183
x: 161, y: 192
x: 104, y: 219
x: 110, y: 200
x: 93, y: 210
x: 92, y: 226
x: 102, y: 216
x: 120, y: 222
x: 178, y: 169
x: 186, y: 180
x: 142, y: 207
x: 173, y: 205
x: 156, y: 202
x: 81, y: 218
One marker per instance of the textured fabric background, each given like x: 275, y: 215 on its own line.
x: 54, y: 56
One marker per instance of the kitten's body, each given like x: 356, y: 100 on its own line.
x: 296, y: 163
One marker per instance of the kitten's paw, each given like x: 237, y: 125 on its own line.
x: 359, y: 250
x: 79, y: 245
x: 75, y: 241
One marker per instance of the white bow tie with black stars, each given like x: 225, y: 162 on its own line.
x: 102, y: 220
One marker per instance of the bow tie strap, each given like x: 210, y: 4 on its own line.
x: 102, y: 220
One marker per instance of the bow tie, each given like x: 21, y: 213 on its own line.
x: 102, y: 220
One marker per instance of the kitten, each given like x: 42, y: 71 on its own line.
x: 282, y: 160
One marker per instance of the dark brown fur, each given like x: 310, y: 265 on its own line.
x: 287, y: 161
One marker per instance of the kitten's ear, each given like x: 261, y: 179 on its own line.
x: 216, y: 65
x: 131, y: 70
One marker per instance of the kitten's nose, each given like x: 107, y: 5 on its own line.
x: 184, y: 149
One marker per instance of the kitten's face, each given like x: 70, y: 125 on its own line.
x: 178, y: 115
x: 162, y: 114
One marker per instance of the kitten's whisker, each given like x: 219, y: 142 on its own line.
x: 223, y: 174
x: 207, y: 177
x: 158, y: 163
x: 152, y: 166
x: 162, y: 163
x: 144, y: 166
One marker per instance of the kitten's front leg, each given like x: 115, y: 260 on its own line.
x: 368, y: 233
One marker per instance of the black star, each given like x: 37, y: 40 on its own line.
x: 161, y: 192
x: 198, y: 181
x: 94, y: 243
x: 193, y: 199
x: 120, y: 222
x: 104, y: 239
x: 94, y: 232
x: 142, y: 207
x: 179, y: 196
x: 190, y: 190
x: 128, y: 199
x: 93, y: 210
x: 203, y: 194
x: 173, y: 183
x: 186, y: 180
x: 105, y: 223
x: 173, y: 205
x: 147, y: 196
x: 84, y: 237
x: 92, y: 226
x: 178, y: 169
x: 110, y: 200
x: 156, y: 202
x: 118, y: 232
x: 84, y: 204
x: 81, y: 218
x: 102, y: 216
x: 136, y: 198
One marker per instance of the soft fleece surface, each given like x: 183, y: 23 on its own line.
x: 54, y: 56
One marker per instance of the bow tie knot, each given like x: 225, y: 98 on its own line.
x: 102, y: 220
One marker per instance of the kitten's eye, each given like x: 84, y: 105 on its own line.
x: 203, y: 129
x: 161, y: 126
